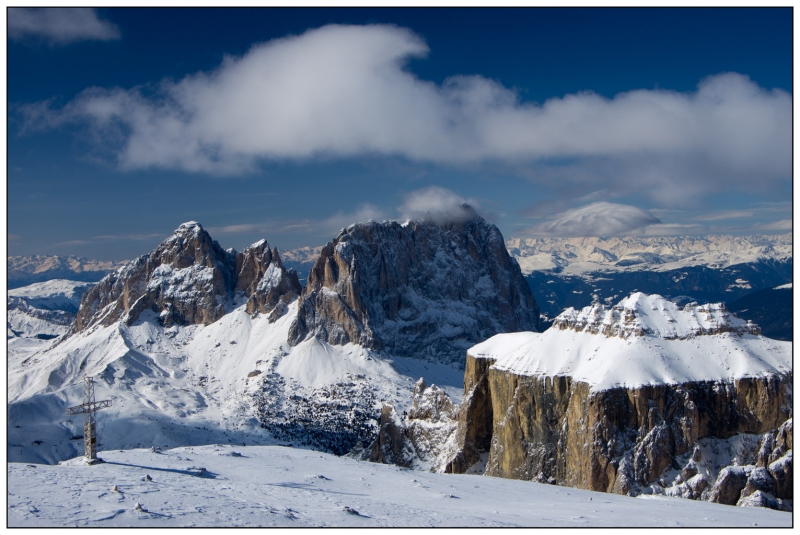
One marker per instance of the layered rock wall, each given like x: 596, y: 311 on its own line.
x: 551, y: 429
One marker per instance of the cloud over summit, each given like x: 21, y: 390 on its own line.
x: 437, y: 203
x: 344, y: 92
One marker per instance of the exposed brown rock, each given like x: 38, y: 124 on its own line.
x: 268, y: 285
x: 475, y: 420
x: 552, y: 429
x: 781, y: 471
x: 759, y: 479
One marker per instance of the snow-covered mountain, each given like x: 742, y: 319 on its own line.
x: 25, y: 270
x: 575, y: 272
x: 578, y: 256
x: 41, y: 312
x: 644, y: 397
x: 189, y: 279
x: 301, y: 260
x: 195, y: 344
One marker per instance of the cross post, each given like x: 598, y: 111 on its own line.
x: 89, y: 409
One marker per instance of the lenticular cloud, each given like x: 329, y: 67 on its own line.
x: 344, y: 91
x: 596, y: 219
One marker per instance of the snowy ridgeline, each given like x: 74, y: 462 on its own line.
x: 576, y: 256
x: 656, y: 341
x: 225, y: 486
x: 234, y: 381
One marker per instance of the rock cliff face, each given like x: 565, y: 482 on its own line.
x: 423, y: 289
x: 555, y: 430
x: 190, y: 279
x: 717, y: 435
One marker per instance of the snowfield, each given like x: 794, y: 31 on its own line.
x: 232, y: 486
x: 644, y: 339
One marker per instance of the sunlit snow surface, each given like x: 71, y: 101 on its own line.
x: 666, y: 353
x: 276, y: 486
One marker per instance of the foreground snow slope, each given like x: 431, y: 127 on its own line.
x: 285, y: 487
x: 642, y: 340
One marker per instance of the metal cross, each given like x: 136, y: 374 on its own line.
x: 89, y: 410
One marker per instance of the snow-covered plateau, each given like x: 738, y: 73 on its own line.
x: 44, y: 310
x: 644, y: 339
x: 272, y: 486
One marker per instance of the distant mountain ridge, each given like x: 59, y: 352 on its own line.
x: 25, y: 270
x: 577, y: 256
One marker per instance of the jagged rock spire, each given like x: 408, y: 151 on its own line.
x: 188, y: 279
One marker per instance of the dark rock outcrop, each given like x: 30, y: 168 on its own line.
x: 190, y: 279
x: 420, y: 439
x: 424, y: 289
x: 392, y: 445
x: 729, y: 485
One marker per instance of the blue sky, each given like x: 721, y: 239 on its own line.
x: 287, y: 124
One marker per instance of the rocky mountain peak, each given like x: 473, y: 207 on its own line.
x: 425, y: 289
x: 640, y: 314
x: 188, y: 279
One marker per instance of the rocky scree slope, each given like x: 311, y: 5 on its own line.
x: 643, y: 397
x: 190, y: 279
x: 424, y: 289
x: 422, y: 438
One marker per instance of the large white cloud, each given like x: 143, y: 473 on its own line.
x: 59, y: 25
x: 343, y: 91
